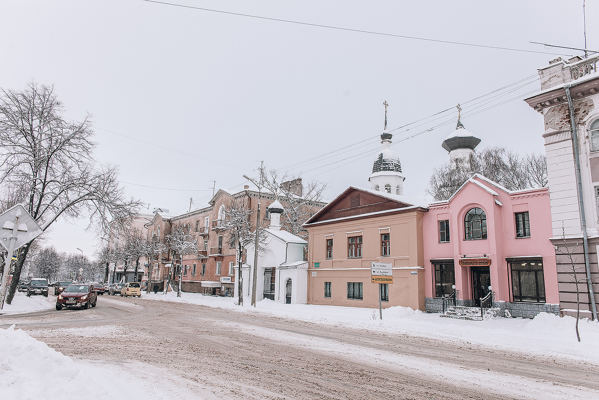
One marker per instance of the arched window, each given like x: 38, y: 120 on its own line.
x: 594, y: 135
x: 221, y: 213
x: 397, y: 191
x: 377, y: 188
x: 388, y: 188
x: 475, y: 224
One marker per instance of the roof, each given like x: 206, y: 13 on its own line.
x: 395, y: 197
x: 461, y: 138
x: 286, y: 236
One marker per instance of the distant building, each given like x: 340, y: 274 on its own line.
x: 570, y: 91
x: 282, y: 267
x: 460, y: 145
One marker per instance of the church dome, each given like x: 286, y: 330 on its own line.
x: 461, y: 138
x: 386, y: 160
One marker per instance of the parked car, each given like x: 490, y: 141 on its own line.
x: 60, y: 286
x: 23, y: 286
x: 77, y: 295
x: 38, y: 286
x: 115, y: 288
x: 131, y: 289
x: 99, y: 288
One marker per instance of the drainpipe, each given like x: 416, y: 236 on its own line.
x: 583, y: 220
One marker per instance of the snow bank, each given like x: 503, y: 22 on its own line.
x: 547, y: 334
x: 29, y: 369
x: 23, y: 304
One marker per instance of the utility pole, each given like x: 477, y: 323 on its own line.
x: 257, y: 232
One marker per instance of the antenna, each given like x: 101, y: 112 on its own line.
x: 566, y: 47
x: 584, y: 23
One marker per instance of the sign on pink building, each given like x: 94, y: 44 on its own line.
x: 487, y: 238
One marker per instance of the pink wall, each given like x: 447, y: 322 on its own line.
x: 501, y: 242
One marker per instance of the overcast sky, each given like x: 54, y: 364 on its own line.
x: 181, y: 98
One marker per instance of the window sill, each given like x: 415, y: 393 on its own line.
x: 529, y: 302
x: 353, y: 299
x: 523, y: 237
x: 354, y: 258
x: 441, y: 242
x: 472, y: 240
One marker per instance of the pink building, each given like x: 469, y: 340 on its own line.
x: 486, y: 237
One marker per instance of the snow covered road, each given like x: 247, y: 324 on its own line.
x: 249, y: 356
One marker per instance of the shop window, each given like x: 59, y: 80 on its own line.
x: 528, y: 282
x: 384, y: 291
x: 354, y: 247
x: 475, y: 224
x: 444, y: 278
x: 354, y: 290
x: 327, y: 289
x: 444, y: 231
x: 329, y: 254
x: 385, y: 244
x: 522, y: 225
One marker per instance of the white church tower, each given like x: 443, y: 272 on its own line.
x: 386, y: 171
x: 460, y: 144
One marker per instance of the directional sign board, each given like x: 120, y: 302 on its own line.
x: 26, y: 227
x: 381, y: 272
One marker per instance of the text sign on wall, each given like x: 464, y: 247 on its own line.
x: 381, y: 272
x: 475, y: 262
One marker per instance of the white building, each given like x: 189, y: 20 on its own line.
x: 460, y: 145
x: 570, y: 92
x: 282, y: 268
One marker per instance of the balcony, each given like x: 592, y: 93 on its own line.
x: 203, y: 253
x: 203, y: 231
x: 216, y: 251
x: 218, y: 225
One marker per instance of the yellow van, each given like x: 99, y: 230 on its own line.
x: 131, y: 289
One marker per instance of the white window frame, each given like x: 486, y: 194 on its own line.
x: 231, y: 268
x: 219, y: 265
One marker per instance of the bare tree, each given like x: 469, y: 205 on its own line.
x: 509, y: 169
x: 180, y: 243
x: 240, y: 234
x: 300, y: 200
x: 46, y: 163
x: 46, y: 264
x: 152, y: 248
x: 565, y: 249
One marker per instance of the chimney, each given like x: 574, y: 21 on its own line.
x: 275, y: 210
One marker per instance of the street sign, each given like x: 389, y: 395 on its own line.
x: 381, y: 272
x: 27, y: 228
x: 225, y: 279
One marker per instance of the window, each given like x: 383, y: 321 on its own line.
x: 355, y: 201
x: 231, y: 272
x: 385, y: 244
x: 269, y: 283
x: 354, y: 247
x: 444, y: 231
x: 377, y: 188
x: 203, y: 269
x: 329, y: 254
x: 594, y: 135
x: 388, y: 188
x: 218, y: 267
x: 522, y: 225
x: 444, y: 278
x: 528, y: 283
x: 206, y: 223
x: 354, y: 290
x: 384, y: 291
x: 221, y: 215
x: 475, y: 224
x: 193, y: 273
x: 185, y: 270
x: 197, y: 225
x: 205, y: 244
x: 327, y: 289
x: 397, y: 190
x: 220, y: 245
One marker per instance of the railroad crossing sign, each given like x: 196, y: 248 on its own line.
x: 27, y: 228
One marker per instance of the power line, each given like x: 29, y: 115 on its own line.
x: 355, y: 30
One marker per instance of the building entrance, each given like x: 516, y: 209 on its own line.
x: 481, y: 280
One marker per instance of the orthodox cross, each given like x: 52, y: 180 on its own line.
x: 386, y: 106
x: 459, y: 125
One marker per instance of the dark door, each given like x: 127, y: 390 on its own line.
x: 481, y: 280
x: 288, y: 292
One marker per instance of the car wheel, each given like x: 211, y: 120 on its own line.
x: 58, y: 307
x: 86, y: 306
x: 46, y: 294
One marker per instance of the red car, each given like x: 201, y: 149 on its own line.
x: 99, y: 288
x: 77, y: 295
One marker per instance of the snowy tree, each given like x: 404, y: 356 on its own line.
x: 181, y: 243
x: 46, y: 163
x: 46, y: 264
x: 133, y: 248
x: 152, y: 248
x: 300, y: 200
x: 241, y: 234
x: 509, y: 169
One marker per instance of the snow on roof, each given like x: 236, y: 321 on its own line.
x: 286, y: 236
x: 276, y: 204
x: 395, y: 197
x: 293, y: 264
x: 363, y: 215
x: 484, y: 187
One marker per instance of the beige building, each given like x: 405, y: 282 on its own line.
x: 359, y: 227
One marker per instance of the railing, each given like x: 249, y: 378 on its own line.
x: 203, y: 253
x: 218, y: 224
x: 203, y: 230
x: 216, y: 251
x: 486, y: 302
x: 448, y: 299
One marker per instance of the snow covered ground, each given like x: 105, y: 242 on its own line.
x: 29, y: 369
x: 23, y: 304
x: 545, y: 335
